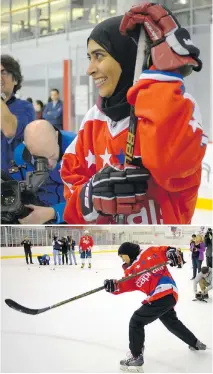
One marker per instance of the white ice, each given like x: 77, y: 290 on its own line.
x: 90, y: 335
x: 202, y: 217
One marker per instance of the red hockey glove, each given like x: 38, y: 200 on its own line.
x: 120, y: 190
x: 111, y: 285
x: 114, y: 190
x: 171, y: 45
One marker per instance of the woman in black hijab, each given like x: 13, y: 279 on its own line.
x: 114, y: 61
x: 163, y: 142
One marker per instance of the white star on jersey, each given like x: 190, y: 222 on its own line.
x: 106, y: 157
x: 195, y: 125
x: 138, y: 267
x: 149, y: 258
x: 90, y: 158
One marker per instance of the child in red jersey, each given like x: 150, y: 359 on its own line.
x: 162, y: 295
x: 85, y: 245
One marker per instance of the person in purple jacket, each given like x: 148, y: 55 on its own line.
x: 200, y: 245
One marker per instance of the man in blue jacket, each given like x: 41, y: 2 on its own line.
x: 42, y: 139
x: 53, y: 112
x: 15, y: 113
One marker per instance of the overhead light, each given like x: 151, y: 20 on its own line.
x: 184, y: 2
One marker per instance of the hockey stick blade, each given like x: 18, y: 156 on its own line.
x: 20, y: 308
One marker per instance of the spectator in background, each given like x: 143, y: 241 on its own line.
x: 44, y: 260
x: 30, y: 100
x: 56, y: 250
x: 27, y: 249
x: 71, y: 250
x: 204, y: 278
x: 195, y: 255
x: 85, y: 247
x: 181, y: 260
x: 42, y: 139
x: 39, y: 107
x: 15, y: 113
x: 208, y: 245
x: 64, y: 250
x: 199, y: 244
x: 53, y: 111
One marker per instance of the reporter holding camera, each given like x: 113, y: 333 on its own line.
x: 15, y: 113
x: 41, y: 139
x: 204, y: 278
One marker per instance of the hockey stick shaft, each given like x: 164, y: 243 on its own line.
x: 12, y: 304
x: 120, y: 219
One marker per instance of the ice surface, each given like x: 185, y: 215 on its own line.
x: 90, y: 335
x: 202, y: 217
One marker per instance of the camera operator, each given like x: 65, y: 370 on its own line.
x: 208, y: 245
x: 27, y: 249
x: 41, y: 139
x: 204, y: 278
x: 15, y: 113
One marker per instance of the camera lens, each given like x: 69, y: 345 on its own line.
x: 8, y: 198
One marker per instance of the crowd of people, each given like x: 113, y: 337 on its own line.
x: 64, y: 250
x: 199, y: 246
x: 52, y: 111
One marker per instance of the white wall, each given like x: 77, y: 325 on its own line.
x: 51, y: 50
x: 19, y: 251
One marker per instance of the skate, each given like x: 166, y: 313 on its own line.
x: 132, y: 364
x: 82, y: 266
x: 89, y: 266
x: 199, y: 346
x: 201, y: 297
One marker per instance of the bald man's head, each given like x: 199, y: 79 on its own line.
x: 41, y: 139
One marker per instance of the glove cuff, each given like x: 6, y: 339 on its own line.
x: 88, y: 211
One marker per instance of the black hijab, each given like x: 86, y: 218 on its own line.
x: 123, y: 49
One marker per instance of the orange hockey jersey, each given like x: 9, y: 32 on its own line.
x: 169, y: 140
x: 86, y: 243
x: 155, y: 284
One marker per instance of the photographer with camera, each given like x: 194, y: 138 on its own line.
x: 204, y: 278
x: 15, y: 113
x: 27, y: 249
x: 208, y: 245
x: 44, y: 144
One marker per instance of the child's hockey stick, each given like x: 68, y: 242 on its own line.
x: 120, y: 219
x: 12, y: 304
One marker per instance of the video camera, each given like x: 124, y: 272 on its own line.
x: 15, y: 195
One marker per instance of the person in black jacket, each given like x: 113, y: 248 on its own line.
x: 64, y: 250
x: 208, y: 245
x: 27, y: 249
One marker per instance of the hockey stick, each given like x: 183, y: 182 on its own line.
x: 120, y: 219
x: 20, y: 308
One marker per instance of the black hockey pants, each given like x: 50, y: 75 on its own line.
x: 28, y: 253
x: 164, y: 310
